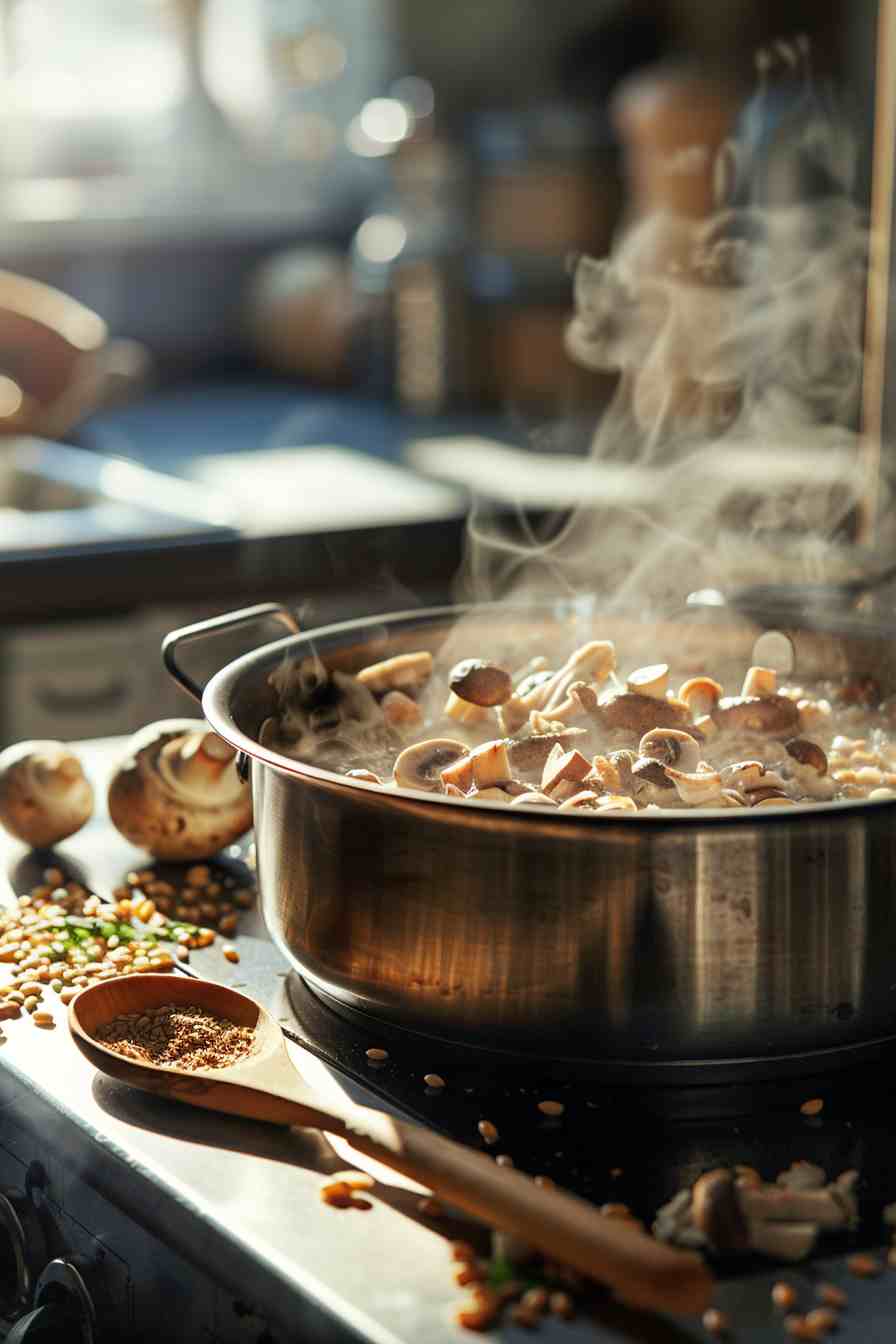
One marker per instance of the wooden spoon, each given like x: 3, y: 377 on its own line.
x: 265, y: 1085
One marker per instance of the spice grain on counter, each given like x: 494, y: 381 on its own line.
x: 62, y: 937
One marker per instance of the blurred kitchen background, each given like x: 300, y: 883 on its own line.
x: 292, y: 247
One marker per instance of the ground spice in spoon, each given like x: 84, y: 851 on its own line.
x: 179, y: 1035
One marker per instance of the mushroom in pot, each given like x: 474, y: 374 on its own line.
x: 407, y: 672
x: 639, y: 713
x: 672, y: 747
x: 810, y: 767
x: 44, y: 794
x: 421, y: 765
x: 480, y: 683
x: 773, y: 714
x: 177, y: 792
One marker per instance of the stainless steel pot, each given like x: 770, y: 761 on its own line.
x: 653, y: 939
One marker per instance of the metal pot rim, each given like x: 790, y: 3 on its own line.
x: 216, y: 708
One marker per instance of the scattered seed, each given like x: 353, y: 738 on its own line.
x: 43, y: 1019
x: 231, y: 954
x: 813, y: 1107
x: 831, y: 1295
x: 561, y: 1304
x: 434, y: 1080
x: 784, y: 1296
x: 797, y: 1328
x: 551, y: 1107
x: 9, y: 1011
x: 535, y: 1299
x: 716, y: 1322
x: 521, y: 1315
x: 31, y: 1003
x: 822, y: 1320
x: 376, y: 1056
x: 488, y: 1132
x: 864, y: 1266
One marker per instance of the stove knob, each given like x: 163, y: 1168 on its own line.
x: 63, y: 1309
x: 23, y: 1249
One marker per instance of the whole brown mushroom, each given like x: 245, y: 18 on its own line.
x: 44, y: 794
x: 177, y: 793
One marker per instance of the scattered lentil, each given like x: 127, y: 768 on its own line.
x: 44, y: 1019
x: 863, y: 1266
x: 231, y: 954
x: 831, y: 1295
x: 488, y: 1132
x: 342, y: 1192
x: 822, y: 1320
x: 376, y: 1056
x: 797, y: 1328
x: 784, y: 1296
x: 554, y: 1108
x: 535, y: 1299
x: 813, y: 1107
x: 182, y: 1035
x: 561, y: 1304
x: 434, y: 1080
x: 716, y: 1322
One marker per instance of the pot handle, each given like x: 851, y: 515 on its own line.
x: 201, y: 629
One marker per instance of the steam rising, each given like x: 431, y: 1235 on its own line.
x: 737, y: 340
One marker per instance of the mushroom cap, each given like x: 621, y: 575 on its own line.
x: 177, y: 794
x: 44, y: 794
x: 759, y: 714
x: 807, y: 753
x: 481, y: 683
x: 639, y: 713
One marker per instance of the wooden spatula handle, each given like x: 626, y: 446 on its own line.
x: 641, y: 1271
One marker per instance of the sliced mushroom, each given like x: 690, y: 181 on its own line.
x: 489, y: 794
x: 585, y: 800
x: 571, y: 766
x: 530, y: 753
x: 745, y: 775
x: 491, y: 764
x: 624, y: 763
x: 616, y: 802
x: 532, y: 799
x: 671, y: 746
x: 697, y: 788
x: 759, y: 681
x: 605, y: 776
x: 44, y: 794
x: 652, y: 681
x: 400, y: 711
x: 420, y: 766
x: 459, y: 774
x: 177, y: 793
x: 480, y: 683
x: 716, y: 1211
x: 773, y: 714
x: 639, y: 713
x: 770, y: 798
x: 404, y: 672
x: 700, y: 694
